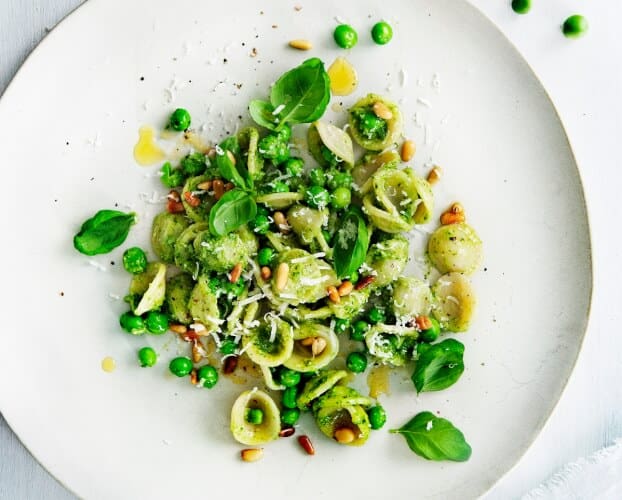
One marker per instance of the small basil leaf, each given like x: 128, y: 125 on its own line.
x: 301, y: 94
x: 351, y: 243
x: 228, y: 161
x: 106, y: 230
x: 434, y: 438
x: 233, y: 210
x: 438, y: 366
x: 262, y: 113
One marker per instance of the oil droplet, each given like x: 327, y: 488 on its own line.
x: 146, y: 151
x: 378, y: 381
x: 343, y: 77
x: 108, y: 364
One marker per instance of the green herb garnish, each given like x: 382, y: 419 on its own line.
x: 106, y: 230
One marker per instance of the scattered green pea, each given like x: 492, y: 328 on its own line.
x: 341, y: 198
x: 336, y: 179
x: 265, y: 256
x: 317, y: 197
x: 290, y: 416
x: 575, y: 26
x: 274, y: 148
x: 134, y: 260
x: 280, y: 187
x: 345, y: 36
x: 171, y: 177
x: 317, y: 177
x: 207, y: 375
x: 294, y: 166
x: 181, y: 366
x: 521, y: 6
x: 132, y: 324
x: 377, y: 417
x: 376, y: 315
x: 228, y: 346
x: 289, y: 397
x: 285, y: 133
x: 432, y: 333
x: 342, y: 325
x: 254, y: 416
x: 289, y: 378
x: 382, y: 33
x: 180, y: 120
x: 260, y: 224
x: 156, y: 322
x: 147, y: 357
x: 356, y: 362
x: 359, y: 328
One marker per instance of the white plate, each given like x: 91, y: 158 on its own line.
x: 69, y: 122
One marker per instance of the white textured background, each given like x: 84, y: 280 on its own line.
x: 584, y: 78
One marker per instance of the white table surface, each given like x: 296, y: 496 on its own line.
x: 584, y: 79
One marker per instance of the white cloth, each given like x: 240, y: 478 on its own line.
x: 597, y: 477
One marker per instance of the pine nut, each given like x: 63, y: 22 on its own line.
x: 381, y: 110
x: 230, y: 364
x: 423, y: 323
x: 282, y: 275
x: 191, y: 199
x: 333, y: 294
x: 231, y: 157
x: 287, y: 431
x: 318, y: 346
x: 306, y: 444
x: 175, y: 207
x: 219, y: 188
x: 301, y: 44
x: 307, y: 341
x: 453, y: 215
x: 197, y: 351
x: 193, y: 376
x: 236, y: 272
x: 364, y: 282
x: 281, y: 222
x: 229, y: 186
x: 180, y: 329
x: 173, y: 195
x: 265, y: 272
x: 252, y: 454
x: 344, y: 435
x: 205, y: 186
x: 345, y: 288
x: 435, y: 175
x: 408, y: 150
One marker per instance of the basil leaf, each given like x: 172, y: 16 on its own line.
x: 434, y: 438
x: 106, y: 230
x: 229, y: 162
x: 351, y: 243
x: 301, y: 94
x: 233, y: 210
x: 438, y: 365
x: 261, y: 112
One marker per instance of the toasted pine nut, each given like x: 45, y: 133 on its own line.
x: 434, y: 175
x: 281, y: 222
x: 191, y: 199
x: 177, y: 328
x: 231, y: 157
x: 230, y: 364
x: 175, y: 207
x: 333, y: 294
x: 344, y: 435
x: 457, y: 208
x: 318, y: 346
x: 364, y: 282
x: 265, y: 272
x: 197, y: 351
x: 306, y: 444
x: 205, y: 185
x: 453, y: 215
x: 252, y: 454
x: 301, y: 44
x: 287, y: 431
x: 381, y: 110
x: 211, y: 153
x: 345, y: 288
x: 282, y: 275
x: 219, y: 188
x: 193, y: 376
x: 229, y: 186
x: 423, y: 323
x: 307, y: 341
x: 173, y: 195
x: 408, y: 150
x: 236, y: 272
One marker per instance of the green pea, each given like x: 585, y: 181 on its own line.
x: 289, y: 397
x: 382, y: 33
x: 521, y: 6
x: 134, y: 260
x: 432, y: 333
x: 273, y: 148
x: 341, y: 198
x: 265, y: 256
x: 290, y: 416
x: 317, y: 177
x: 317, y: 197
x: 342, y: 325
x: 359, y: 328
x: 156, y: 322
x: 180, y: 119
x: 377, y: 417
x: 356, y: 362
x: 171, y: 177
x: 207, y: 375
x: 181, y: 366
x: 254, y: 416
x: 294, y: 166
x: 345, y: 36
x: 280, y: 187
x: 132, y: 324
x: 147, y: 357
x: 193, y: 164
x: 336, y: 179
x: 289, y: 378
x: 228, y: 346
x: 376, y: 315
x: 575, y: 26
x: 285, y: 133
x: 260, y: 224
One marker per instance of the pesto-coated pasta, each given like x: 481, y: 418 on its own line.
x: 411, y: 298
x: 165, y: 232
x: 203, y: 304
x: 271, y: 343
x: 255, y: 434
x: 371, y: 131
x: 222, y: 253
x: 454, y: 302
x: 178, y: 292
x: 391, y: 344
x: 318, y: 385
x: 303, y: 358
x: 332, y: 418
x: 148, y: 289
x: 184, y: 254
x: 387, y: 259
x: 329, y: 145
x: 455, y: 247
